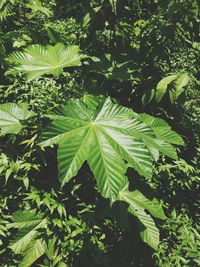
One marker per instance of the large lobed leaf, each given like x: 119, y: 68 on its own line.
x: 37, y: 60
x: 106, y: 137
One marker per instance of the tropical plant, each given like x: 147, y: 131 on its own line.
x: 38, y: 60
x: 6, y: 8
x: 106, y: 137
x: 36, y: 6
x: 113, y: 163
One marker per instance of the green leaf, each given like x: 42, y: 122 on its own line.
x: 150, y: 234
x: 25, y: 219
x: 27, y: 241
x: 37, y: 60
x: 114, y: 68
x: 105, y: 137
x: 162, y: 86
x: 147, y: 97
x: 89, y: 16
x: 138, y: 203
x: 33, y: 252
x: 6, y: 8
x: 11, y: 116
x: 113, y: 4
x: 163, y: 138
x: 161, y: 129
x: 90, y: 100
x: 36, y: 6
x: 182, y: 80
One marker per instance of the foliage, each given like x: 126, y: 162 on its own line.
x: 37, y: 60
x: 98, y: 139
x: 63, y: 64
x: 11, y: 116
x: 36, y: 6
x: 137, y: 204
x: 180, y: 80
x: 26, y: 241
x: 184, y: 240
x: 66, y: 31
x: 6, y: 8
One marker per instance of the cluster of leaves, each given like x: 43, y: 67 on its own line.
x: 144, y: 53
x: 184, y: 239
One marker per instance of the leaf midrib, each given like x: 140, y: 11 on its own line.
x: 100, y: 148
x: 85, y: 138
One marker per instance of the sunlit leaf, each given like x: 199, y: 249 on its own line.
x: 105, y: 137
x: 37, y: 60
x: 162, y: 86
x: 12, y: 117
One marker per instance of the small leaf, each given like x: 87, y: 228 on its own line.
x: 161, y: 88
x: 148, y: 96
x: 26, y: 182
x: 7, y: 175
x: 88, y: 17
x: 182, y: 80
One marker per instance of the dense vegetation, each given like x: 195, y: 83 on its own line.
x: 99, y: 133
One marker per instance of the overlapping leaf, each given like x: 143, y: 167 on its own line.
x: 37, y: 60
x: 138, y: 203
x: 36, y: 6
x: 114, y: 68
x: 163, y: 138
x: 6, y: 8
x: 11, y: 117
x: 106, y: 137
x: 27, y: 241
x: 180, y: 80
x: 162, y: 86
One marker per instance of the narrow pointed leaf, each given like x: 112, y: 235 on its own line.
x: 150, y: 234
x: 71, y: 155
x: 107, y: 166
x: 181, y: 82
